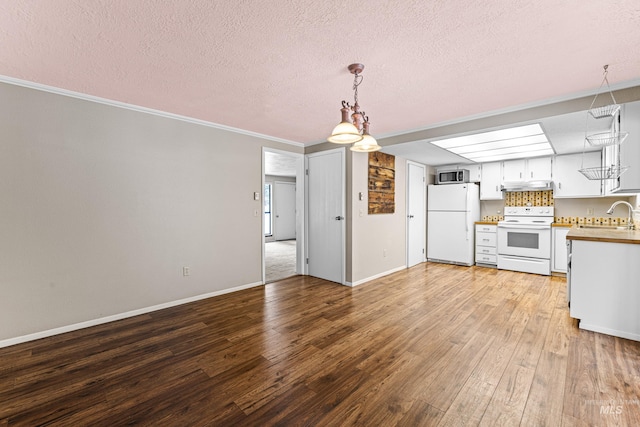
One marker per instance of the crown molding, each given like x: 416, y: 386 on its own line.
x: 85, y: 97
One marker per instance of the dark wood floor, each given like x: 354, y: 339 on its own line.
x: 432, y: 345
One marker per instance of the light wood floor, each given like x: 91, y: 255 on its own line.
x: 432, y: 345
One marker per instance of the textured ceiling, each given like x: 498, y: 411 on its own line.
x: 279, y: 68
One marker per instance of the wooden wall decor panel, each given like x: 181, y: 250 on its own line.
x: 382, y: 183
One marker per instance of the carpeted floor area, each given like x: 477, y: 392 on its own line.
x: 280, y: 260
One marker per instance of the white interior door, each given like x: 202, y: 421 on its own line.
x: 326, y: 213
x: 416, y: 213
x: 285, y: 210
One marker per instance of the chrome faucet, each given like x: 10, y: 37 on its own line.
x: 630, y: 224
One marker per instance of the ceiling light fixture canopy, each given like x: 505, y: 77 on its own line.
x: 354, y: 130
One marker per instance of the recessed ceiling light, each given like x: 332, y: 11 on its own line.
x: 510, y: 143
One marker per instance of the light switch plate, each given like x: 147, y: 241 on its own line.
x: 256, y: 196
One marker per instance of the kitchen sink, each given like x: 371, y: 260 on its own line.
x: 604, y: 227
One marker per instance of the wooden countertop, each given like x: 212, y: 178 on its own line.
x: 487, y: 222
x: 560, y: 224
x: 604, y: 235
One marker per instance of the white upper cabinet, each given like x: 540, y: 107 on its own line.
x: 567, y: 179
x: 491, y: 181
x: 539, y: 169
x: 514, y: 170
x: 535, y: 169
x: 630, y: 148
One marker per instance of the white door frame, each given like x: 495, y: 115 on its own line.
x: 343, y: 196
x: 301, y: 253
x: 424, y: 208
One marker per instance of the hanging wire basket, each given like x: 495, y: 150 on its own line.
x: 601, y: 173
x: 604, y: 139
x: 605, y: 111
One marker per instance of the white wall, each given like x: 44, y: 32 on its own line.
x: 101, y: 207
x: 373, y: 235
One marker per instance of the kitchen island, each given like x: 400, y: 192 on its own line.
x: 604, y: 280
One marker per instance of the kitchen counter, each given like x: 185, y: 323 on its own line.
x: 604, y: 235
x: 487, y: 222
x: 561, y: 224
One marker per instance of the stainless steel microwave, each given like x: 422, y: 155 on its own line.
x: 452, y: 176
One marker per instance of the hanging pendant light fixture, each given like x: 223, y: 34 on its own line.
x: 354, y: 130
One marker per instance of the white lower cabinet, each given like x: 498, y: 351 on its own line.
x: 559, y: 249
x: 604, y: 287
x: 486, y: 253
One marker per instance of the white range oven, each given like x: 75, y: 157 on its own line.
x: 524, y: 239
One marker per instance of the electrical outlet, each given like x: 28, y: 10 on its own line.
x: 590, y: 211
x: 384, y: 253
x: 185, y: 271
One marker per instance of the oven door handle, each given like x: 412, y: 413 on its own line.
x: 525, y: 227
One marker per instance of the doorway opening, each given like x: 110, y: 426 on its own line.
x: 282, y: 213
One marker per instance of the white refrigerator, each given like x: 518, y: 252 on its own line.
x: 452, y: 210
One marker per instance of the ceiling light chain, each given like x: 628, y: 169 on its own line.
x: 356, y: 129
x: 356, y: 83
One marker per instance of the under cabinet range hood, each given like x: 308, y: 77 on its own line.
x: 527, y: 186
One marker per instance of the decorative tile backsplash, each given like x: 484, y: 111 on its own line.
x: 545, y: 198
x: 529, y: 198
x: 590, y: 220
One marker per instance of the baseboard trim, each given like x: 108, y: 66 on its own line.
x: 377, y: 276
x: 82, y: 325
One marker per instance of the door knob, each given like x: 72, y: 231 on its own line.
x: 410, y: 216
x: 338, y: 218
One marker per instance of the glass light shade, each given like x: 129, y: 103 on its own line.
x: 366, y: 145
x: 345, y: 133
